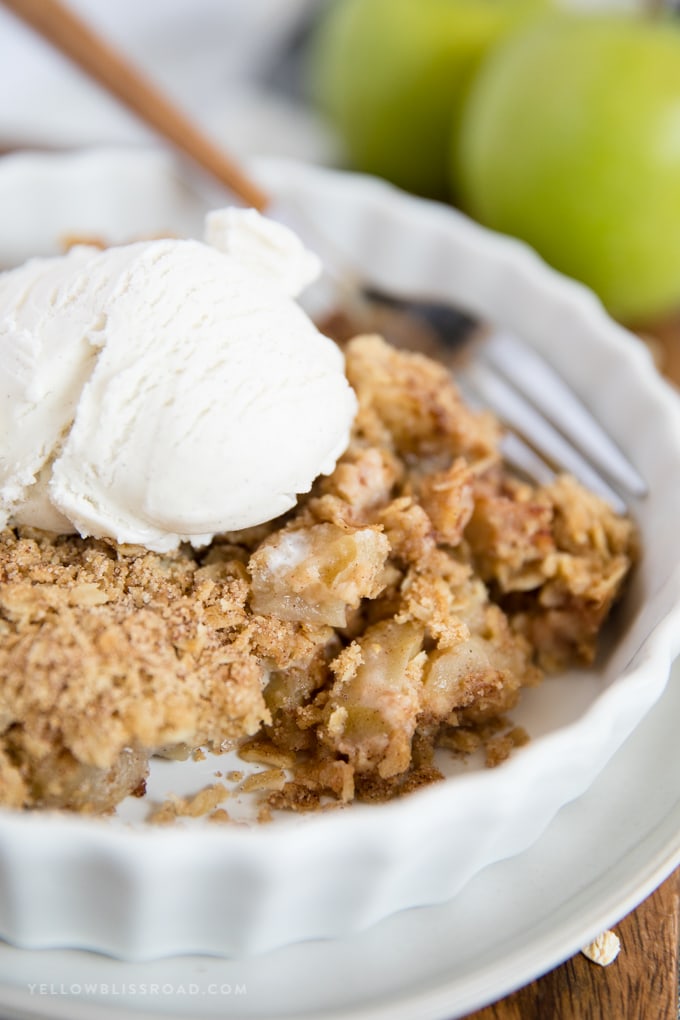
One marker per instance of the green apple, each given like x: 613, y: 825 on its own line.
x: 391, y: 75
x: 570, y: 140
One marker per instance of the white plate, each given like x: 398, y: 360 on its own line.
x: 138, y: 893
x: 599, y: 858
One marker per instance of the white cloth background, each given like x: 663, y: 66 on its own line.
x: 211, y: 56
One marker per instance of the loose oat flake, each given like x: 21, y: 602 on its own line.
x: 604, y: 949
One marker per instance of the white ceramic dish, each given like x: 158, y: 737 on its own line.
x: 139, y: 893
x: 515, y: 920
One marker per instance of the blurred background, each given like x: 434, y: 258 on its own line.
x: 393, y: 87
x: 223, y: 61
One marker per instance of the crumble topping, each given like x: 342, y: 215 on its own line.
x: 206, y: 802
x: 403, y: 604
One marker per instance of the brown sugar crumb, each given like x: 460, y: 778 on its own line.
x: 404, y: 603
x: 312, y: 786
x: 498, y: 750
x: 494, y: 738
x: 269, y: 779
x: 301, y: 798
x: 139, y: 790
x: 462, y: 742
x: 194, y: 806
x: 163, y: 814
x: 263, y: 752
x: 221, y: 817
x: 376, y: 789
x: 519, y: 736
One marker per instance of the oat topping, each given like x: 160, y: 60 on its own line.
x: 403, y: 604
x: 202, y: 803
x: 604, y: 949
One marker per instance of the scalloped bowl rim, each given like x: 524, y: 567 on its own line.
x: 639, y: 683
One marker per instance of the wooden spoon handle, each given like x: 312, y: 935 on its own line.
x: 76, y: 40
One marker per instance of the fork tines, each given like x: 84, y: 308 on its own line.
x: 550, y: 429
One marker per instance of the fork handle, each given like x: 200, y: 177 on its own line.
x: 76, y: 40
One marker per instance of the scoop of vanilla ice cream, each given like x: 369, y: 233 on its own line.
x: 47, y: 352
x: 166, y: 391
x: 267, y: 247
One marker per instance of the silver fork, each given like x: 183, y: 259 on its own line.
x: 548, y: 429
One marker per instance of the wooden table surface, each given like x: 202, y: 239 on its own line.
x: 642, y: 983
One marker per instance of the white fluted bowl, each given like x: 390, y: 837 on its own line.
x: 137, y: 892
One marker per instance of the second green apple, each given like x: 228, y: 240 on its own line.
x: 571, y: 141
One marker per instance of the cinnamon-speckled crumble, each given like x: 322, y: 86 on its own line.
x: 406, y: 601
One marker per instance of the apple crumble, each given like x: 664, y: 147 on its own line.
x: 402, y: 604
